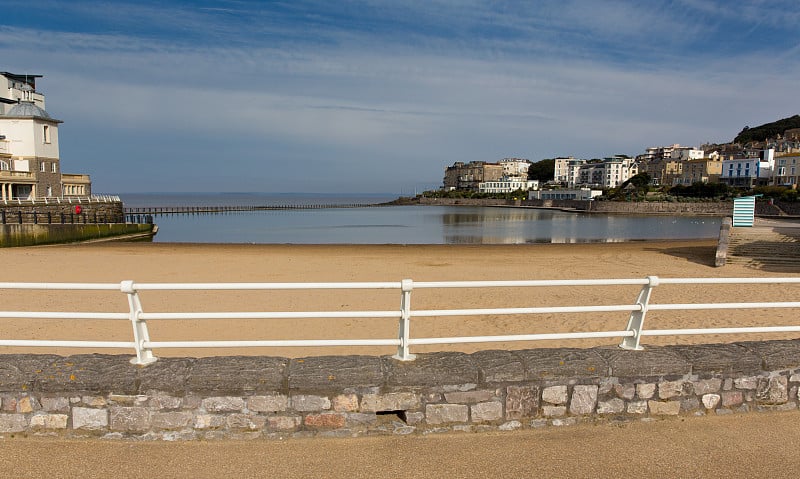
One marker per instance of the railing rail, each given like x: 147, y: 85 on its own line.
x: 144, y: 346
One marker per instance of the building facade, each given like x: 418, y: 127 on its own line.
x: 30, y: 166
x: 468, y: 176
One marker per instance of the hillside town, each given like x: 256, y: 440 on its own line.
x: 773, y: 162
x: 30, y: 167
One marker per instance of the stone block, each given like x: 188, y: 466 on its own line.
x: 309, y: 403
x: 431, y: 370
x: 664, y: 408
x: 645, y: 391
x: 562, y: 363
x: 129, y: 419
x: 329, y: 373
x: 612, y: 406
x: 707, y: 386
x: 270, y: 403
x: 487, y: 411
x: 732, y: 398
x: 27, y: 404
x: 499, y: 366
x: 360, y: 419
x: 249, y: 422
x: 510, y: 426
x: 89, y: 418
x: 326, y: 420
x: 223, y: 404
x: 625, y: 391
x: 584, y: 399
x: 555, y: 394
x: 166, y: 375
x: 55, y: 404
x: 773, y: 390
x: 637, y: 407
x: 284, y: 423
x: 446, y: 413
x: 469, y: 397
x: 689, y: 404
x: 94, y: 401
x: 553, y: 411
x: 710, y: 401
x: 236, y: 375
x: 160, y: 403
x: 750, y: 382
x: 401, y: 401
x: 19, y: 372
x: 88, y: 373
x: 12, y: 423
x: 718, y: 359
x: 670, y: 389
x: 345, y: 403
x: 776, y: 355
x: 653, y: 361
x: 209, y: 421
x: 521, y: 401
x: 172, y: 420
x: 49, y: 421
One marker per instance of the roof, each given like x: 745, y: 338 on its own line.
x: 27, y: 109
x: 24, y: 78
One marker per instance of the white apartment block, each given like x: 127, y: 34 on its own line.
x: 515, y: 167
x: 561, y: 169
x: 749, y: 172
x: 508, y: 185
x: 608, y: 173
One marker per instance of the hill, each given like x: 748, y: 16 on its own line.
x: 768, y: 130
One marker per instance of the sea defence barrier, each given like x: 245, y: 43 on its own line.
x: 68, y: 220
x: 245, y: 397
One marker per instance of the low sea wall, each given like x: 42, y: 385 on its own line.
x: 39, y: 234
x: 63, y: 212
x: 341, y: 396
x: 713, y: 208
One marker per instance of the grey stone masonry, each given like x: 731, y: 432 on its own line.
x: 338, y: 396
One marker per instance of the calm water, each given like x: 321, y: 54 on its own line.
x: 404, y: 224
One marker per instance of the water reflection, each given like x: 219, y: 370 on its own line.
x: 517, y: 226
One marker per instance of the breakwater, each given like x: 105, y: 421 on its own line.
x: 343, y: 396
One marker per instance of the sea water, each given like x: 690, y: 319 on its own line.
x: 402, y: 224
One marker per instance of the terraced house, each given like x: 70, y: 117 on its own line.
x: 30, y: 167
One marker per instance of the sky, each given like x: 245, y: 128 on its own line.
x: 380, y: 96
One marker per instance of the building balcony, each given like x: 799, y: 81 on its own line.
x: 17, y: 176
x: 75, y: 179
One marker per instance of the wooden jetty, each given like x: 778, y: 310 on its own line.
x: 181, y: 210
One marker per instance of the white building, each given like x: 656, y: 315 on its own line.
x: 606, y: 173
x: 566, y: 194
x: 787, y: 171
x: 30, y: 166
x: 561, y: 169
x: 749, y: 172
x: 508, y: 185
x: 515, y: 167
x: 686, y: 153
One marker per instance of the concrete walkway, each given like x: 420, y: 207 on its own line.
x: 749, y: 445
x: 769, y: 245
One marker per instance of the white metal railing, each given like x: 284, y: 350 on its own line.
x: 144, y: 346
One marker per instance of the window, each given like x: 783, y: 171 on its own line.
x: 43, y: 167
x: 46, y: 133
x: 54, y: 167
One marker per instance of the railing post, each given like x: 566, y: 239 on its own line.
x: 636, y: 320
x: 403, y: 334
x: 144, y: 355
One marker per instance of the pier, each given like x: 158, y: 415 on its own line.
x: 177, y: 210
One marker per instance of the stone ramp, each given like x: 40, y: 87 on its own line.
x: 769, y: 245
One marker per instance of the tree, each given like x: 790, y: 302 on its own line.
x: 543, y: 170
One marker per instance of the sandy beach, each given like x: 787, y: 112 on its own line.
x: 159, y: 262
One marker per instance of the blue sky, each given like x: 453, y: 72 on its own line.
x: 380, y: 96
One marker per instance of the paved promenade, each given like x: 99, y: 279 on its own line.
x: 730, y: 446
x: 771, y: 244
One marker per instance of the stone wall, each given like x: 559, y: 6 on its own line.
x: 343, y: 396
x: 38, y: 234
x: 90, y: 212
x: 721, y: 208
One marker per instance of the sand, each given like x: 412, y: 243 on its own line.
x: 189, y: 263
